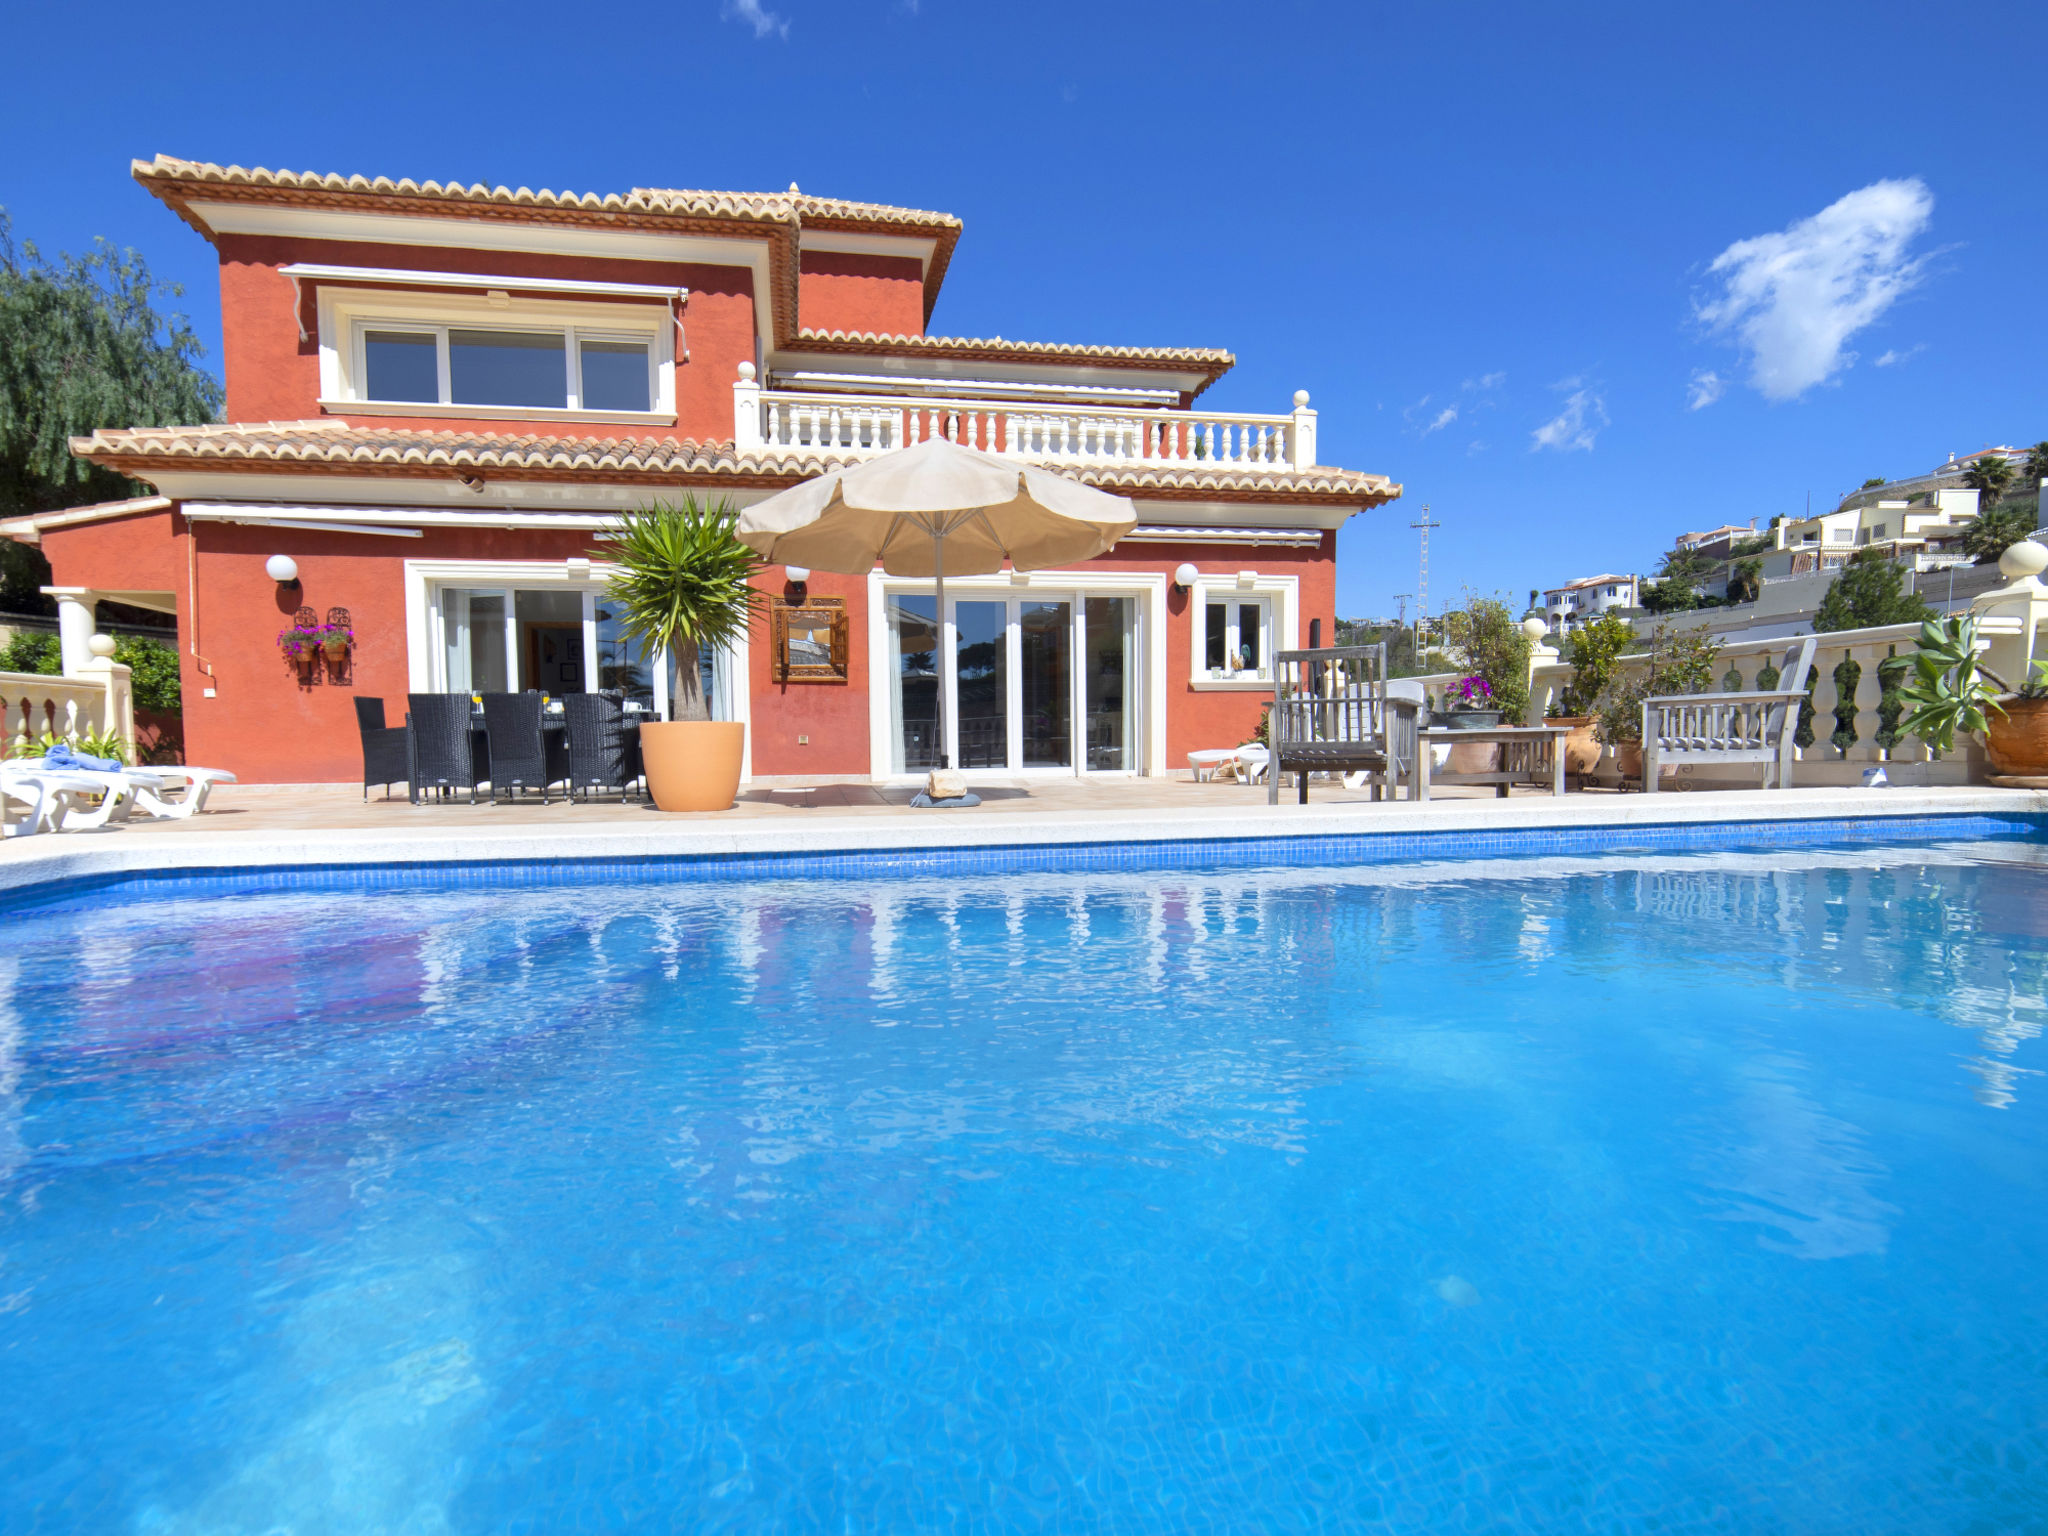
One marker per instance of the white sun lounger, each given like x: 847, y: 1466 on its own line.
x: 147, y: 787
x: 56, y: 797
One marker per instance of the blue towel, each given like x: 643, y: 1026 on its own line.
x: 61, y: 756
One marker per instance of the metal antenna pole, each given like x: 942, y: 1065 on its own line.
x: 1422, y: 582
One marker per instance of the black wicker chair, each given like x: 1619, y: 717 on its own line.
x: 387, y: 757
x: 444, y: 757
x: 603, y: 752
x: 523, y: 754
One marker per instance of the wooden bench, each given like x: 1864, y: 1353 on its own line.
x: 1751, y: 728
x: 1331, y: 714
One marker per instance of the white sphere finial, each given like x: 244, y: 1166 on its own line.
x: 1536, y: 630
x: 747, y: 372
x: 1301, y: 399
x: 101, y: 645
x: 2023, y: 559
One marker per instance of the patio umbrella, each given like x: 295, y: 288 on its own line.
x: 936, y: 507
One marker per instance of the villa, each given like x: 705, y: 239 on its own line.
x: 440, y: 399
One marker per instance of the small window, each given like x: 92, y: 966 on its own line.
x: 1235, y: 641
x: 615, y: 375
x: 402, y: 365
x: 507, y: 368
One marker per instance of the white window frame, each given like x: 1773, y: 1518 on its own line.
x: 347, y: 313
x: 1148, y: 637
x: 1282, y: 597
x: 426, y: 662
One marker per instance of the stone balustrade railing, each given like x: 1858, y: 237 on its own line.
x: 94, y: 701
x: 859, y: 426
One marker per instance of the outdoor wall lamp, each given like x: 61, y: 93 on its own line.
x: 282, y: 569
x: 797, y: 573
x: 1185, y: 575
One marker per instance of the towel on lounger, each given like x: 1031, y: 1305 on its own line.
x: 61, y: 756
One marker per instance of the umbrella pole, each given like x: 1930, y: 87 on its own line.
x: 939, y: 580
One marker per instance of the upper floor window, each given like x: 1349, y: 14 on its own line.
x: 554, y: 369
x: 387, y: 352
x: 1235, y: 638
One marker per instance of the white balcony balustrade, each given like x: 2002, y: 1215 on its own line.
x: 860, y: 426
x: 97, y: 700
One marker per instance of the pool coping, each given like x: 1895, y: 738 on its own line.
x: 822, y: 843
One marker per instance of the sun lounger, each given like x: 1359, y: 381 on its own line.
x: 197, y: 784
x: 58, y: 797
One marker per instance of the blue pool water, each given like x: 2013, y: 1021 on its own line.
x: 1704, y: 1194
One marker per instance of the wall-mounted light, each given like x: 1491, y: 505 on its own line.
x: 1185, y: 575
x: 797, y: 573
x: 282, y: 569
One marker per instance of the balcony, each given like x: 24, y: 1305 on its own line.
x: 770, y: 421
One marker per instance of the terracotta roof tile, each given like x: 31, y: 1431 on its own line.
x: 180, y: 182
x: 332, y: 446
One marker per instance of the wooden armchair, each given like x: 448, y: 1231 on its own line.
x: 1331, y: 713
x: 1746, y: 728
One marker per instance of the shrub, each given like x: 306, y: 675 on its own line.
x: 1490, y: 637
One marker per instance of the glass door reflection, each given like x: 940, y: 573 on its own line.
x: 1046, y: 668
x: 1109, y: 683
x: 914, y: 681
x: 982, y: 684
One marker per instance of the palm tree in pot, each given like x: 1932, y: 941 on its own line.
x: 684, y: 583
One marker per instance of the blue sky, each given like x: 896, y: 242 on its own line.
x: 1579, y: 277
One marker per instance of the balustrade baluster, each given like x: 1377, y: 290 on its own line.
x: 1825, y: 697
x: 1868, y: 692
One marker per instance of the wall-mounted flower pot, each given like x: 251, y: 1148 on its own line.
x: 2017, y: 741
x: 692, y: 765
x: 335, y: 648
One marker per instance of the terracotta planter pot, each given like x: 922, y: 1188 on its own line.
x: 1474, y: 757
x: 692, y: 765
x: 335, y: 649
x: 1628, y: 762
x: 1581, y: 746
x: 2017, y: 741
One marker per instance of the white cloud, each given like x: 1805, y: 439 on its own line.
x: 756, y: 15
x: 1443, y: 419
x: 1707, y: 387
x: 1791, y: 300
x: 1485, y: 383
x: 1574, y: 427
x: 1892, y: 355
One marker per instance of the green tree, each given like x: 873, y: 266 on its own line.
x: 1988, y: 477
x: 1874, y: 482
x: 1681, y: 575
x: 1869, y: 592
x: 1594, y: 650
x: 1996, y: 531
x: 1489, y: 637
x: 684, y: 583
x: 82, y: 346
x: 2037, y: 465
x: 1746, y: 581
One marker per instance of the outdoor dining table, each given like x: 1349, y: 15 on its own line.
x: 1529, y: 754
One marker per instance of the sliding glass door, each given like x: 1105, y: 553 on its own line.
x: 1033, y: 684
x: 558, y: 639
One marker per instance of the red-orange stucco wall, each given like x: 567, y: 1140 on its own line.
x: 273, y: 375
x: 833, y: 715
x: 842, y: 291
x: 267, y: 726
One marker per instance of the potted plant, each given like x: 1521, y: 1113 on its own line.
x: 1594, y: 652
x: 335, y: 639
x: 1952, y: 691
x: 300, y: 645
x: 1469, y: 705
x: 684, y: 582
x: 1618, y: 722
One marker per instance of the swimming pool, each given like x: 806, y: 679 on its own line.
x: 1701, y: 1194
